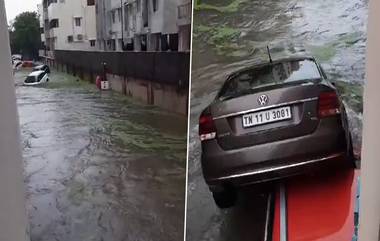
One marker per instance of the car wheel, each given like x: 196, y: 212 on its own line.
x: 225, y: 199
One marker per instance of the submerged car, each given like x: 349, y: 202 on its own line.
x: 270, y: 121
x: 36, y: 78
x: 42, y: 67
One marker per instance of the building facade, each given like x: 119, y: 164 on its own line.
x: 68, y: 24
x: 40, y: 12
x: 143, y: 25
x: 184, y: 24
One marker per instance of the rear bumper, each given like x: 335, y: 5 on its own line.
x: 278, y: 172
x: 324, y: 147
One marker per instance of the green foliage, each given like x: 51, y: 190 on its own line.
x: 352, y: 94
x: 230, y: 8
x: 222, y: 38
x: 25, y: 37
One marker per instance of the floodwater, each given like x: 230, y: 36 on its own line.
x: 100, y: 166
x: 227, y: 39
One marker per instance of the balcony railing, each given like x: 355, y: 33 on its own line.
x: 184, y: 11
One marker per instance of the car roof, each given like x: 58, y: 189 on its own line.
x: 40, y: 66
x: 261, y: 63
x: 36, y: 73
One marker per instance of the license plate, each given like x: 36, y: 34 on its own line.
x: 267, y: 116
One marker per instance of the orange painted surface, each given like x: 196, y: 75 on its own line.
x: 27, y: 64
x: 322, y: 208
x: 276, y: 221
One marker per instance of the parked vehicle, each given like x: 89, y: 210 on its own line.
x: 270, y: 121
x: 42, y: 67
x: 36, y: 78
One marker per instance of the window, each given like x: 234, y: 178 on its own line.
x: 30, y: 79
x: 79, y: 37
x: 70, y: 39
x: 288, y: 72
x: 54, y: 23
x: 155, y: 5
x: 113, y: 16
x: 90, y: 2
x: 119, y: 14
x: 92, y: 43
x: 78, y: 22
x: 40, y: 77
x: 51, y: 1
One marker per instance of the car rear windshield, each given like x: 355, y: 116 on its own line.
x: 271, y: 74
x: 30, y: 79
x: 40, y: 76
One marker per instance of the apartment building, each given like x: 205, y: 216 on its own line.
x: 68, y: 24
x: 143, y: 25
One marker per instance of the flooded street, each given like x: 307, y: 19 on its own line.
x: 100, y: 166
x: 232, y: 34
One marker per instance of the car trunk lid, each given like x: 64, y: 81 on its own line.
x: 301, y: 100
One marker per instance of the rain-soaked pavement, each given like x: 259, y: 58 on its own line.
x: 99, y: 166
x: 227, y: 39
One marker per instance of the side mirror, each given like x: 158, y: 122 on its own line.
x: 333, y: 83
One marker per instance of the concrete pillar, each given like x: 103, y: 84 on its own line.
x: 369, y: 226
x: 137, y: 43
x: 13, y: 221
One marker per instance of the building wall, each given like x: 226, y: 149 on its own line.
x: 40, y: 11
x: 157, y: 78
x: 165, y: 96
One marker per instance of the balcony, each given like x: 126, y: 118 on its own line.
x: 184, y: 14
x: 53, y: 11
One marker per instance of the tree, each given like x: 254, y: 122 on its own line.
x: 25, y: 36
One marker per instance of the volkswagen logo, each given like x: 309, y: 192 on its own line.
x: 263, y: 100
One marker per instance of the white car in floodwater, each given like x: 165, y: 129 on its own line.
x: 36, y: 78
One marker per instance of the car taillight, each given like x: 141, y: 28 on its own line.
x: 207, y: 130
x: 328, y: 104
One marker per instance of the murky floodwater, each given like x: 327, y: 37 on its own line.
x: 228, y: 38
x: 100, y: 166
